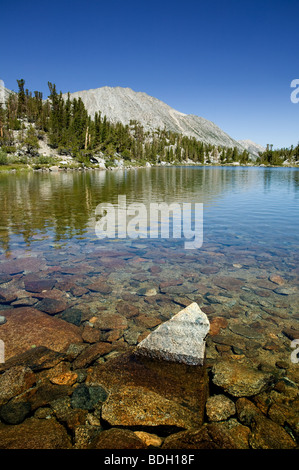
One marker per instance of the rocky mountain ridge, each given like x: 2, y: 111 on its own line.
x: 252, y: 147
x: 125, y: 105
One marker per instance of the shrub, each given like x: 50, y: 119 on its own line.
x: 3, y: 158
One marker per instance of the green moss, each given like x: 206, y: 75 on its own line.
x: 15, y: 166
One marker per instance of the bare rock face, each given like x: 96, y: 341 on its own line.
x: 180, y: 339
x: 124, y: 105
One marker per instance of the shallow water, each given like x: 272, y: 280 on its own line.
x: 250, y: 232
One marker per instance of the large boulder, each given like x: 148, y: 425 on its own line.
x: 34, y: 434
x: 145, y: 392
x: 27, y: 327
x: 180, y: 339
x: 240, y: 380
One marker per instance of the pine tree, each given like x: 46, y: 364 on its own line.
x: 31, y: 141
x: 21, y: 98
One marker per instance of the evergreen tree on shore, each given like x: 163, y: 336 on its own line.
x: 70, y: 130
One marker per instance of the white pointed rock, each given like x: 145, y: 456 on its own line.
x: 180, y: 339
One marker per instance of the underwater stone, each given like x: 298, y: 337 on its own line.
x: 180, y: 339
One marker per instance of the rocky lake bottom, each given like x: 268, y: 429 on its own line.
x: 71, y: 320
x: 74, y: 308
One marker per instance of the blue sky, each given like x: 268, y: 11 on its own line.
x: 229, y: 61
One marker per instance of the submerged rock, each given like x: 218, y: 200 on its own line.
x: 27, y: 327
x: 14, y: 382
x: 277, y: 279
x: 180, y: 339
x: 291, y: 290
x: 34, y: 434
x: 267, y: 434
x: 144, y: 392
x: 115, y: 439
x: 240, y: 380
x: 245, y: 330
x: 220, y: 407
x: 51, y: 306
x: 137, y: 406
x: 39, y: 285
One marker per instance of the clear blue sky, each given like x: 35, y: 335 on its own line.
x: 228, y: 61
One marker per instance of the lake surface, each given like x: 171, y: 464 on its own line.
x: 250, y: 233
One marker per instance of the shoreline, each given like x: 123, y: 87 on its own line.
x: 56, y: 168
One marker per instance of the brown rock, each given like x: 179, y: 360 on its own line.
x: 22, y: 264
x: 208, y: 436
x: 117, y: 439
x: 202, y: 289
x: 54, y: 293
x: 216, y: 324
x: 43, y: 394
x: 111, y: 262
x: 78, y: 291
x: 277, y: 279
x: 155, y: 269
x: 91, y: 354
x: 151, y: 393
x: 84, y: 434
x: 51, y: 306
x: 62, y: 375
x: 228, y: 283
x: 264, y: 284
x: 209, y: 269
x: 171, y: 282
x: 114, y: 335
x: 148, y: 321
x: 14, y: 382
x: 136, y: 406
x: 127, y: 310
x: 208, y: 309
x: 39, y: 285
x: 267, y: 434
x: 219, y: 407
x: 291, y: 333
x: 234, y: 432
x: 36, y: 359
x: 7, y: 296
x: 27, y: 326
x: 78, y: 269
x: 91, y: 335
x: 151, y: 440
x: 286, y: 414
x: 130, y: 297
x: 34, y: 434
x: 100, y: 286
x: 262, y: 293
x: 239, y: 379
x: 108, y: 321
x: 246, y: 411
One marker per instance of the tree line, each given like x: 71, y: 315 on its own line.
x: 278, y: 156
x: 71, y: 131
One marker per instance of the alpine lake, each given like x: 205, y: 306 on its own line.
x: 73, y: 308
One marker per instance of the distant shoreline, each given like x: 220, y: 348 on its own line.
x: 56, y: 168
